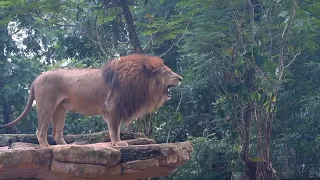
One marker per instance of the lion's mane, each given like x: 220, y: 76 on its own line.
x: 136, y: 83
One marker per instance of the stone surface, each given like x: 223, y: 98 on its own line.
x: 8, y: 139
x: 98, y: 154
x: 143, y: 158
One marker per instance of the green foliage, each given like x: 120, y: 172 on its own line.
x: 17, y: 77
x: 214, y: 45
x: 77, y: 124
x: 211, y: 159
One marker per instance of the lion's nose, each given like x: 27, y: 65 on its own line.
x: 177, y: 76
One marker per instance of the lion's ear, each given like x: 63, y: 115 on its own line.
x: 149, y: 68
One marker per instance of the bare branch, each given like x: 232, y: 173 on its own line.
x: 177, y: 133
x: 295, y: 56
x: 179, y: 104
x: 98, y: 37
x: 312, y: 159
x: 294, y: 162
x: 283, y: 40
x: 168, y: 136
x: 176, y: 43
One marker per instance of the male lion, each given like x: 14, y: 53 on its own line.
x: 121, y: 90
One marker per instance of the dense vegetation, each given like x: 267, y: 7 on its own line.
x: 249, y: 100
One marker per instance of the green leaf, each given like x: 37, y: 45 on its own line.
x: 237, y: 148
x: 257, y: 159
x: 178, y: 117
x: 256, y: 96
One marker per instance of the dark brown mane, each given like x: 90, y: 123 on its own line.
x: 134, y: 79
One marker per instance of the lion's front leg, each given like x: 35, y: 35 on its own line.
x: 113, y: 120
x: 114, y: 132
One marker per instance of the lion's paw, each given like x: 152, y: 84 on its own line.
x: 120, y: 143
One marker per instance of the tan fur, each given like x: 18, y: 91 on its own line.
x: 121, y: 90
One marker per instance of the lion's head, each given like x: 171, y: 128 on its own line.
x: 141, y: 83
x: 162, y: 75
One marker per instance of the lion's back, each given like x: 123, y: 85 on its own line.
x: 67, y: 76
x: 77, y: 87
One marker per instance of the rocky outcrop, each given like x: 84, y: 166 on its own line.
x: 143, y: 158
x: 8, y: 139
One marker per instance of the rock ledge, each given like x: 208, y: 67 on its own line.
x: 22, y: 160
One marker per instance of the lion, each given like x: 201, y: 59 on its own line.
x: 120, y: 91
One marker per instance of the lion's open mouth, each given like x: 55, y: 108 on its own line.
x: 168, y: 92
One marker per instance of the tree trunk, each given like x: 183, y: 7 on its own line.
x: 261, y: 169
x: 249, y: 172
x: 133, y: 35
x: 258, y: 169
x: 7, y: 117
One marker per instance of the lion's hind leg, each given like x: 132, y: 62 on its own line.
x: 44, y: 118
x: 58, y: 121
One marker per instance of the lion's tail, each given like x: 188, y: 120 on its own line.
x: 25, y: 111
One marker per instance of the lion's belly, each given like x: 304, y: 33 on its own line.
x: 85, y: 93
x: 84, y: 107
